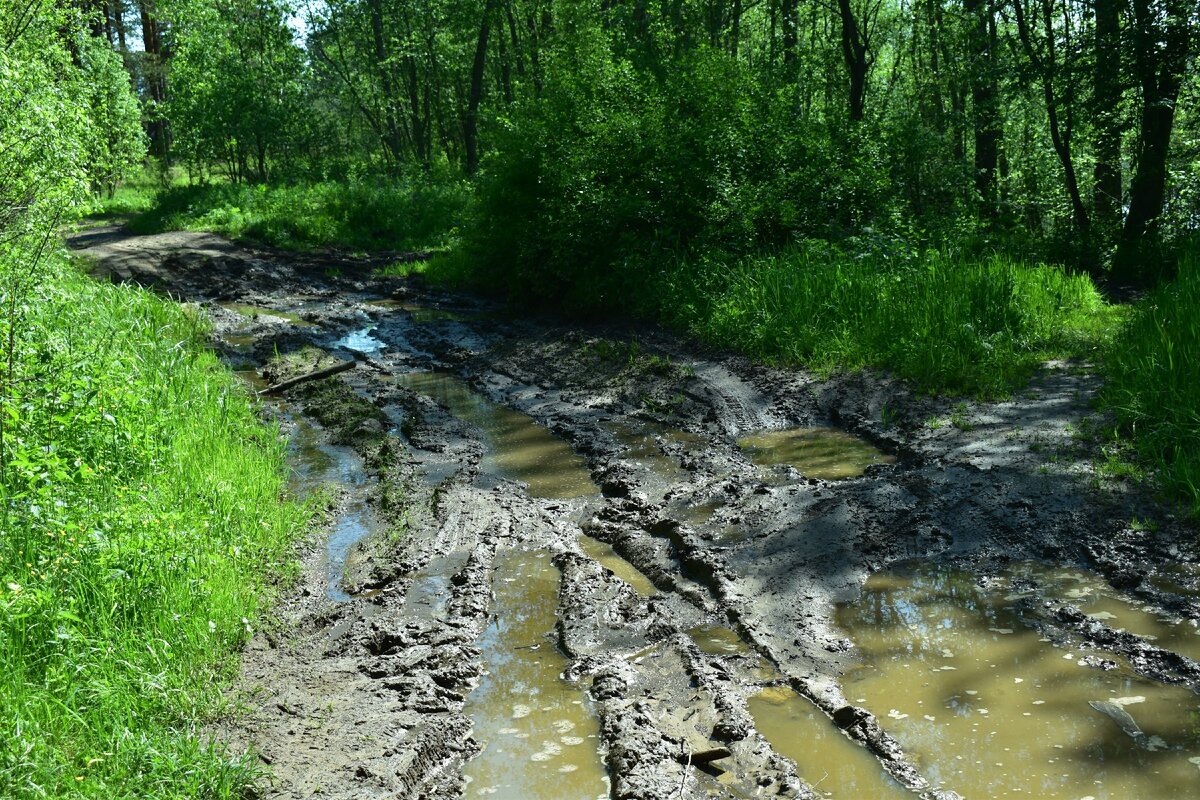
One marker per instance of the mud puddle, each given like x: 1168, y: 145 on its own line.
x: 271, y: 314
x: 825, y: 453
x: 990, y: 709
x: 540, y: 732
x: 825, y: 758
x: 607, y: 557
x: 320, y: 466
x: 361, y: 341
x: 517, y: 447
x: 1092, y: 595
x: 773, y: 553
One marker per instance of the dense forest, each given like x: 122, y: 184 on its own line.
x: 950, y: 192
x: 1062, y: 130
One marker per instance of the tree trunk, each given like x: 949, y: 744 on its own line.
x: 156, y: 80
x: 1107, y: 99
x: 981, y: 23
x: 854, y: 51
x: 471, y: 124
x: 1162, y: 44
x: 790, y: 21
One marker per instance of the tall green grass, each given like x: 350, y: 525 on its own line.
x: 142, y: 513
x: 382, y: 215
x: 1154, y: 382
x: 949, y: 324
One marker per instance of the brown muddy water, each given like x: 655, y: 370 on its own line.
x: 826, y: 758
x: 518, y: 448
x: 606, y: 556
x: 989, y: 709
x: 540, y: 732
x: 1092, y: 595
x: 826, y: 453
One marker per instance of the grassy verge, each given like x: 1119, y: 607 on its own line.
x: 141, y: 505
x: 948, y: 324
x: 1153, y: 383
x: 365, y: 216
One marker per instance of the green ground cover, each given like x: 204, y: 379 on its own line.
x: 144, y: 529
x: 361, y: 216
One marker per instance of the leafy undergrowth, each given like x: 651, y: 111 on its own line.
x: 365, y: 216
x: 143, y: 531
x: 1153, y: 386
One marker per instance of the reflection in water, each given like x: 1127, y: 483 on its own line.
x: 518, y: 448
x: 991, y: 710
x: 827, y: 453
x: 642, y: 445
x: 1092, y: 595
x: 317, y: 465
x: 717, y: 640
x: 361, y: 341
x: 825, y: 757
x: 540, y: 731
x: 603, y: 553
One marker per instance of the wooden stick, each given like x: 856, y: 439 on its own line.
x: 341, y: 366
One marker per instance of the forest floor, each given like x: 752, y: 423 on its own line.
x: 364, y: 685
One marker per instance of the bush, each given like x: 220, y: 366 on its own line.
x: 948, y: 323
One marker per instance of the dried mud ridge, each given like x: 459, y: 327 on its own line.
x: 364, y: 698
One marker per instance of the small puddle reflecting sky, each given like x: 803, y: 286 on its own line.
x: 990, y: 710
x: 518, y: 447
x: 317, y: 465
x: 826, y: 453
x: 540, y: 731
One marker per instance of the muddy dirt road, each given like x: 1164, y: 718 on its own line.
x: 585, y: 562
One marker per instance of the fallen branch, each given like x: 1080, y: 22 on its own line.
x: 341, y: 366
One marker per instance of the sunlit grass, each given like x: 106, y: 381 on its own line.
x: 364, y: 216
x: 1154, y: 383
x: 143, y: 523
x: 948, y: 324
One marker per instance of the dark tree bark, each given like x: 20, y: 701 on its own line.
x: 156, y: 79
x: 1045, y: 61
x: 1162, y: 44
x: 856, y: 54
x: 471, y: 123
x: 1107, y: 98
x: 981, y: 22
x: 392, y: 140
x: 789, y: 17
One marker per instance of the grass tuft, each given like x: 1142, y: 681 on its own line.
x: 365, y: 216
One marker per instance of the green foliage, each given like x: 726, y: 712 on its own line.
x: 612, y: 169
x: 948, y: 323
x: 139, y: 499
x: 237, y: 86
x: 378, y: 215
x: 117, y: 142
x: 1153, y: 385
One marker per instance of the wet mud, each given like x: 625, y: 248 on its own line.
x: 580, y: 562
